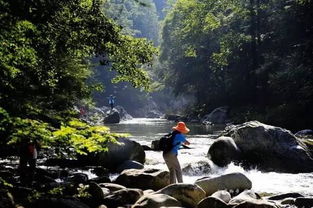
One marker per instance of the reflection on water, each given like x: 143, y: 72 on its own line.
x: 195, y: 163
x: 156, y: 127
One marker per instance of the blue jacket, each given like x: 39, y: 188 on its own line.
x: 177, y: 142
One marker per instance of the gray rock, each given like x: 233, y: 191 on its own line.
x: 270, y: 147
x: 288, y: 201
x: 198, y: 168
x: 223, y: 151
x: 112, y: 117
x: 124, y: 115
x: 304, y: 202
x: 212, y: 202
x: 144, y: 178
x: 188, y: 194
x: 117, y: 154
x: 222, y: 195
x: 124, y: 197
x: 284, y: 196
x: 129, y: 164
x: 245, y: 196
x: 97, y: 193
x: 154, y: 114
x: 112, y: 186
x: 156, y: 201
x: 225, y: 182
x: 256, y: 204
x: 217, y: 116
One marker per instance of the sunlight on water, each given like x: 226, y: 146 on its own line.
x: 195, y: 163
x: 144, y: 121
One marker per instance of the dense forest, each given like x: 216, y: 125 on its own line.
x: 253, y: 56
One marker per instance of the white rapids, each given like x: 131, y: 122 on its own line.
x: 195, y: 163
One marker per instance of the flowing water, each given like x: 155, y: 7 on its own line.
x: 195, y: 163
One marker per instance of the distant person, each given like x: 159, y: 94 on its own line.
x: 28, y: 153
x: 111, y: 101
x: 170, y: 157
x: 82, y: 111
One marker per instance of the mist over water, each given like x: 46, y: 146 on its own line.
x: 195, y: 163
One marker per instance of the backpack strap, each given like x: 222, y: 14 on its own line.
x: 174, y: 133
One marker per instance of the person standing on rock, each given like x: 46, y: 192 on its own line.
x: 28, y: 153
x: 111, y: 101
x: 170, y: 157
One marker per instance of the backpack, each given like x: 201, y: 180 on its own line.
x: 166, y: 142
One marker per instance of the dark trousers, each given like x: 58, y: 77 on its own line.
x: 27, y: 172
x: 174, y: 167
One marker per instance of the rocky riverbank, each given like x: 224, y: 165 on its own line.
x: 88, y: 181
x: 150, y: 188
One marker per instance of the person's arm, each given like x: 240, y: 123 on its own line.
x: 183, y: 139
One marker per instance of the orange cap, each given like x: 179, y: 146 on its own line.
x: 181, y: 127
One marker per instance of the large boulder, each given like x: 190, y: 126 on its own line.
x: 117, y: 154
x: 188, y: 194
x: 96, y: 192
x: 144, y: 178
x: 124, y: 115
x: 270, y: 147
x: 112, y: 187
x: 124, y: 197
x: 230, y: 181
x: 156, y: 201
x: 218, y: 199
x: 222, y: 195
x: 304, y: 202
x: 112, y: 117
x: 250, y: 199
x: 217, y: 116
x: 201, y: 167
x: 247, y: 195
x: 212, y: 202
x: 223, y: 151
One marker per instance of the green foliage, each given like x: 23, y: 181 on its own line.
x: 254, y: 56
x: 57, y: 191
x: 46, y: 48
x: 29, y: 129
x: 137, y: 18
x: 82, y: 191
x: 84, y: 138
x: 72, y: 137
x: 4, y: 184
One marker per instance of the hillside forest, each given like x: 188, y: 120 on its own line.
x: 255, y: 57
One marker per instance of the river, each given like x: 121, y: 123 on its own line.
x: 195, y: 163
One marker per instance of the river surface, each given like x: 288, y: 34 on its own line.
x: 195, y: 163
